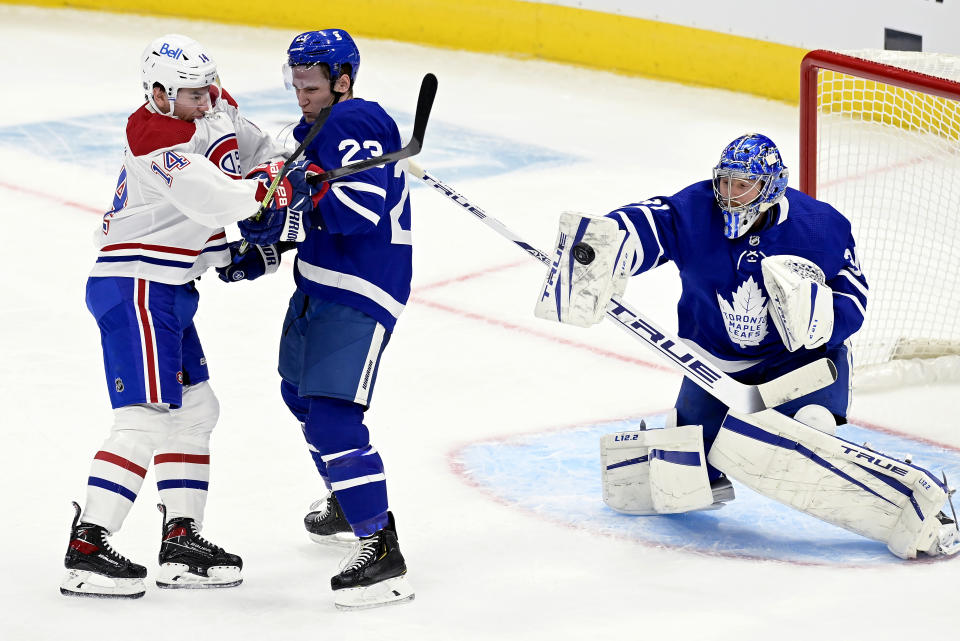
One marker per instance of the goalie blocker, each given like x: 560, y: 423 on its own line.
x: 854, y: 487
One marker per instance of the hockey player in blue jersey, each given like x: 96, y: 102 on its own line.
x: 751, y: 253
x: 352, y: 272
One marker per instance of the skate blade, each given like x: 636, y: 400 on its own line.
x: 83, y: 583
x: 175, y: 576
x: 389, y: 592
x: 340, y: 539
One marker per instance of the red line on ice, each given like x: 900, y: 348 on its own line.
x: 532, y: 332
x: 40, y: 194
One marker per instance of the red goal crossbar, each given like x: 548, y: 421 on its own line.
x: 819, y: 59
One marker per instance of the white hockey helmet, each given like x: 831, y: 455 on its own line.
x: 175, y: 62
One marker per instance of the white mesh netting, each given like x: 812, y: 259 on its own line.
x: 889, y: 159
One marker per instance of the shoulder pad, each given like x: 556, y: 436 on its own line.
x: 148, y: 131
x: 222, y: 93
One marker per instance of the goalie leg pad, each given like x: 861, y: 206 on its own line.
x: 655, y: 471
x: 848, y: 485
x: 591, y: 265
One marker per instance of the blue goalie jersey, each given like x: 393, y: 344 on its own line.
x: 361, y: 256
x: 723, y: 305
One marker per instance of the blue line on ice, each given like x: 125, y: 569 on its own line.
x: 556, y: 475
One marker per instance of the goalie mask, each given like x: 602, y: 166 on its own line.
x: 332, y: 47
x: 175, y: 62
x: 749, y: 179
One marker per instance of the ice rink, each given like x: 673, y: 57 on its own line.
x: 487, y: 418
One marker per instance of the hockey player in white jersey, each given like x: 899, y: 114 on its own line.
x: 751, y: 253
x: 181, y: 182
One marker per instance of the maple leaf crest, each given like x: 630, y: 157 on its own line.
x: 745, y: 317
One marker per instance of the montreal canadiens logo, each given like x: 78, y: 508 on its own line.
x: 225, y: 154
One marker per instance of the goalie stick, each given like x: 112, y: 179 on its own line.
x: 428, y: 91
x: 693, y: 362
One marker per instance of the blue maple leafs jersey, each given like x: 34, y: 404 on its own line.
x: 723, y: 304
x: 361, y: 256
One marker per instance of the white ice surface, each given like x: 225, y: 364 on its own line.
x: 468, y: 362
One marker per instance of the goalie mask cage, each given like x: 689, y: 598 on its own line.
x: 880, y: 141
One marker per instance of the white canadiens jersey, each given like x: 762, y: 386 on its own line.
x: 181, y: 182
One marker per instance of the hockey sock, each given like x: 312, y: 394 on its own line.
x: 116, y: 475
x: 183, y: 460
x: 300, y: 407
x: 355, y: 468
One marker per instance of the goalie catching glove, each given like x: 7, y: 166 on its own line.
x: 590, y: 266
x: 287, y: 216
x: 801, y: 303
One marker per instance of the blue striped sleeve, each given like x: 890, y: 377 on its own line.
x: 849, y: 295
x: 649, y: 223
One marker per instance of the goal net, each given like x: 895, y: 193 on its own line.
x: 880, y: 141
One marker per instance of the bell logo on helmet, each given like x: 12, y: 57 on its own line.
x: 175, y: 62
x: 167, y: 50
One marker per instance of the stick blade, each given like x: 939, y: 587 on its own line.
x: 799, y: 382
x: 428, y: 91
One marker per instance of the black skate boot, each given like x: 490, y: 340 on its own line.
x: 187, y: 560
x: 328, y: 525
x: 95, y: 569
x: 374, y: 574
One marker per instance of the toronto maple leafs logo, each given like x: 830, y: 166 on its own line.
x: 745, y: 317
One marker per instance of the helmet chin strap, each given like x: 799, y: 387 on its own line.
x: 338, y: 95
x: 157, y: 109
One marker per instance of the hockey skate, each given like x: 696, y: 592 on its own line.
x: 95, y: 569
x: 327, y: 525
x: 723, y: 493
x: 947, y: 539
x: 374, y: 574
x: 187, y: 560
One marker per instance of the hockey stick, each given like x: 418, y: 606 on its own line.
x: 956, y: 523
x: 693, y: 362
x: 311, y: 134
x: 428, y: 91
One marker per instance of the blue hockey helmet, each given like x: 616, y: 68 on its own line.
x: 332, y: 47
x: 752, y: 158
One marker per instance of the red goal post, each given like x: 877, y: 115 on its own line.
x: 880, y: 141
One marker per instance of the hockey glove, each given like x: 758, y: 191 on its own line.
x: 590, y: 265
x: 254, y: 263
x: 287, y: 216
x: 801, y: 303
